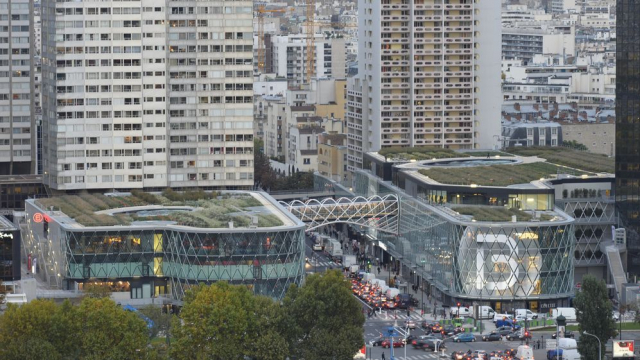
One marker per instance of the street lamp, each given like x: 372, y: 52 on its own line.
x: 423, y: 261
x: 599, y: 344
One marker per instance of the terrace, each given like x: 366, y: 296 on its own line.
x: 580, y: 160
x: 196, y: 209
x: 498, y: 214
x: 498, y: 175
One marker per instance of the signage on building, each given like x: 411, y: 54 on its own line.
x: 4, y: 235
x: 623, y: 348
x: 37, y: 217
x: 545, y: 306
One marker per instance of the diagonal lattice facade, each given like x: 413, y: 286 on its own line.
x: 475, y: 260
x: 379, y: 212
x: 593, y: 221
x: 163, y: 259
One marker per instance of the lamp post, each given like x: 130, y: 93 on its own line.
x: 423, y: 261
x: 599, y: 345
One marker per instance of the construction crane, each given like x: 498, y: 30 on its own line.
x: 310, y: 26
x: 311, y: 13
x: 262, y: 50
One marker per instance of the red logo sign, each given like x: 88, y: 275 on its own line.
x: 37, y: 217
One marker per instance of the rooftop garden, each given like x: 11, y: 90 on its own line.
x: 496, y: 213
x: 495, y: 175
x: 421, y: 153
x: 580, y: 160
x: 211, y: 210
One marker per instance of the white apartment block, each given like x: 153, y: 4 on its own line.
x: 429, y: 72
x: 290, y: 57
x: 147, y: 94
x: 17, y: 121
x: 564, y: 6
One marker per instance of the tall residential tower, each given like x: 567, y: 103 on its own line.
x: 147, y: 94
x: 429, y: 75
x: 17, y: 122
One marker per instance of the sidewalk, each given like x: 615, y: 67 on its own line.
x: 419, y: 295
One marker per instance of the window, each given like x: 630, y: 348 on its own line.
x: 306, y: 161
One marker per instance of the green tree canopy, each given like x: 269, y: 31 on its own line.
x: 227, y: 322
x: 595, y: 315
x: 97, y: 329
x: 324, y: 320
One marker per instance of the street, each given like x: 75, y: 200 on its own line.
x: 376, y: 325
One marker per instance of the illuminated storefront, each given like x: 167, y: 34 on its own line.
x: 150, y: 259
x: 528, y: 263
x: 9, y: 251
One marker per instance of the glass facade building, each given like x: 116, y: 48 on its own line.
x: 463, y: 259
x: 151, y: 259
x: 627, y: 191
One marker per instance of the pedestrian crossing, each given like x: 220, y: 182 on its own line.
x: 409, y: 357
x: 401, y: 315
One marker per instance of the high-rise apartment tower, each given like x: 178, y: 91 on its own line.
x: 17, y: 122
x: 429, y: 75
x: 147, y: 94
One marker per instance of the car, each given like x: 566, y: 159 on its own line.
x: 492, y: 336
x: 425, y: 324
x: 409, y: 339
x: 317, y: 247
x: 410, y: 324
x: 496, y: 355
x: 449, y: 330
x: 504, y: 330
x: 616, y: 316
x: 428, y: 344
x: 517, y: 335
x: 567, y: 334
x: 377, y: 342
x: 464, y: 337
x: 480, y: 354
x: 457, y: 355
x: 438, y: 336
x: 396, y: 343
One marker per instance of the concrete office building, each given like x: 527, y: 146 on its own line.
x: 17, y: 122
x: 627, y: 129
x: 141, y: 94
x: 422, y: 68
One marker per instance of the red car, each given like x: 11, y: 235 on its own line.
x: 396, y: 343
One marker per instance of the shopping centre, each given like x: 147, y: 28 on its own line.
x: 496, y: 229
x: 147, y: 245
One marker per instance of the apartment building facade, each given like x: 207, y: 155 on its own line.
x: 17, y: 88
x: 141, y: 94
x: 290, y: 57
x: 422, y: 67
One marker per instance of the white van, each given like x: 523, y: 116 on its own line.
x: 391, y: 293
x: 497, y: 317
x: 460, y: 311
x: 485, y: 312
x: 526, y: 314
x: 525, y: 352
x: 568, y: 313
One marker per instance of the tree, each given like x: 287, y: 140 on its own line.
x: 595, y: 315
x: 161, y: 321
x: 97, y: 329
x: 222, y: 321
x: 97, y: 291
x: 324, y: 320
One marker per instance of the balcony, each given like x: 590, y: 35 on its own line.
x: 395, y: 7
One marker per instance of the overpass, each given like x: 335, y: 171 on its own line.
x: 379, y: 212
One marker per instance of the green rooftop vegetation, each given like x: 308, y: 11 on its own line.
x: 494, y: 175
x: 212, y: 210
x: 421, y: 153
x: 581, y: 160
x: 496, y: 213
